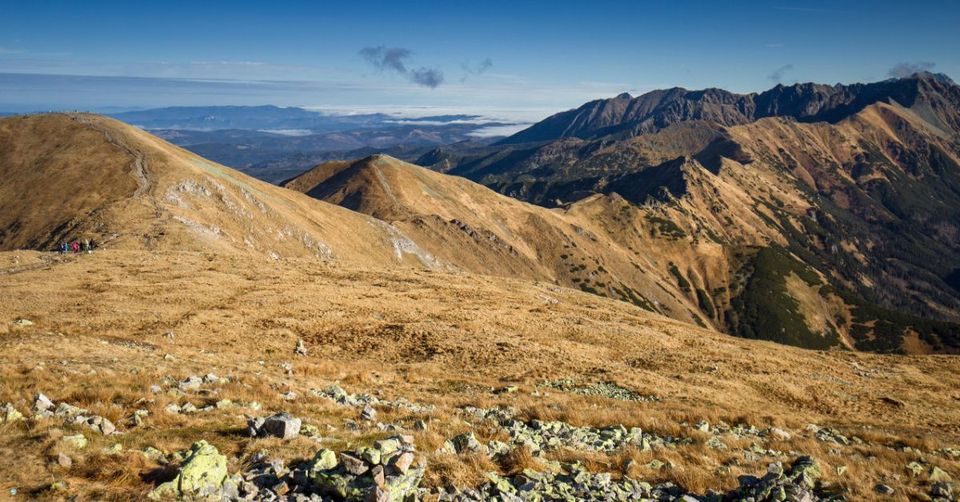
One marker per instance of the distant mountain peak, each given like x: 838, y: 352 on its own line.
x: 808, y: 102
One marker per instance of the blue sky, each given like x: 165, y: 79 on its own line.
x: 517, y: 58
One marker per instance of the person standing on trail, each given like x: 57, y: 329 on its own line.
x: 85, y: 245
x: 75, y: 246
x: 93, y: 245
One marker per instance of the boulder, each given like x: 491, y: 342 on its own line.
x: 281, y: 425
x: 402, y: 462
x: 192, y: 382
x: 202, y: 474
x: 466, y: 442
x: 42, y: 402
x: 324, y: 460
x: 937, y: 474
x: 368, y: 413
x: 353, y: 464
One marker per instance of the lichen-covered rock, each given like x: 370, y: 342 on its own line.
x: 798, y: 483
x: 8, y: 413
x: 202, y: 474
x: 76, y: 441
x: 357, y: 477
x: 467, y: 443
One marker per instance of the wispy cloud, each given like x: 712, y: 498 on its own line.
x: 777, y: 75
x: 901, y: 70
x: 478, y: 69
x: 395, y: 59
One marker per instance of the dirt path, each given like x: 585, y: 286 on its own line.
x: 139, y: 168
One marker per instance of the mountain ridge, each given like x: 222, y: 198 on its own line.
x: 655, y: 110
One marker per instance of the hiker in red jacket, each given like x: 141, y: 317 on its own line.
x: 75, y: 247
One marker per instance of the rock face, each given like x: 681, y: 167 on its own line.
x: 202, y: 474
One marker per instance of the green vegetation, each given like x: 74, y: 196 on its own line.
x: 584, y: 286
x: 666, y: 227
x: 765, y: 310
x: 682, y: 281
x: 706, y: 305
x: 628, y: 294
x: 890, y: 326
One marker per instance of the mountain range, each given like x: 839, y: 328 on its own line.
x: 852, y: 189
x: 833, y: 225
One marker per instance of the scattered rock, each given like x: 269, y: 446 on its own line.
x: 23, y: 322
x: 8, y: 413
x: 76, y: 441
x: 354, y: 478
x: 780, y: 434
x: 343, y: 398
x: 155, y: 455
x: 938, y: 474
x: 884, y: 489
x: 64, y: 461
x: 368, y: 414
x: 800, y: 481
x: 42, y: 403
x: 301, y: 348
x: 941, y: 490
x: 609, y: 390
x: 915, y: 468
x: 192, y: 382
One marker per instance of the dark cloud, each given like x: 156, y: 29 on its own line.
x: 387, y: 58
x: 395, y: 59
x: 427, y: 77
x: 901, y: 70
x: 777, y: 75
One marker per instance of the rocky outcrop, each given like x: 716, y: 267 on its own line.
x: 383, y: 472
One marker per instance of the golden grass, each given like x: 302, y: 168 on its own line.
x: 461, y: 336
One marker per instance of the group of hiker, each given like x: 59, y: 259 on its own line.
x: 82, y: 246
